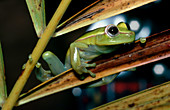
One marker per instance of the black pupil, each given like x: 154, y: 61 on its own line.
x: 113, y: 30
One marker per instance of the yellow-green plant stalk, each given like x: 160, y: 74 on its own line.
x: 3, y: 91
x: 39, y: 48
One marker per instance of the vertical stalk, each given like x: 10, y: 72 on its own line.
x: 39, y: 48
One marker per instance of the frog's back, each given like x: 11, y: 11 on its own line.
x: 89, y: 37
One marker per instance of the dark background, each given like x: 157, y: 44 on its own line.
x: 18, y: 39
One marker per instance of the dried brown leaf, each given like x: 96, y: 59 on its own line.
x: 156, y: 48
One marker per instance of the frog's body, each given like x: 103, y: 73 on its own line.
x: 89, y: 46
x: 86, y: 54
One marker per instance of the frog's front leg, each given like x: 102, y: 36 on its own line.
x: 79, y: 66
x: 55, y: 65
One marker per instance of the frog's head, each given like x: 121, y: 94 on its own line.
x: 114, y: 35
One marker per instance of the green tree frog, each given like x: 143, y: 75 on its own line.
x: 89, y: 46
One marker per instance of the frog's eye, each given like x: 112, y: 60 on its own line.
x: 111, y: 30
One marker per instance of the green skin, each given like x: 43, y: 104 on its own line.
x: 89, y: 46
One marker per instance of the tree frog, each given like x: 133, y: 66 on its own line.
x: 89, y: 46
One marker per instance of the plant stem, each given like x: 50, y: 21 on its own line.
x: 39, y: 48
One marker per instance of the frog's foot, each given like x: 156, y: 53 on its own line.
x: 86, y: 65
x: 42, y: 74
x: 103, y: 81
x: 23, y: 66
x: 55, y: 65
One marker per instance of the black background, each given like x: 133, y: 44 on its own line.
x: 18, y: 39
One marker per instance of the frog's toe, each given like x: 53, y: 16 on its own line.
x: 88, y: 71
x: 90, y: 65
x: 92, y: 74
x: 30, y: 58
x: 82, y: 77
x: 85, y: 70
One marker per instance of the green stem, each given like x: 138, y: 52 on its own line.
x: 39, y: 48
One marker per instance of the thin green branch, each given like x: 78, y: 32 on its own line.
x: 39, y: 48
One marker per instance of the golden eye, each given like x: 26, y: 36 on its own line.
x: 111, y: 30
